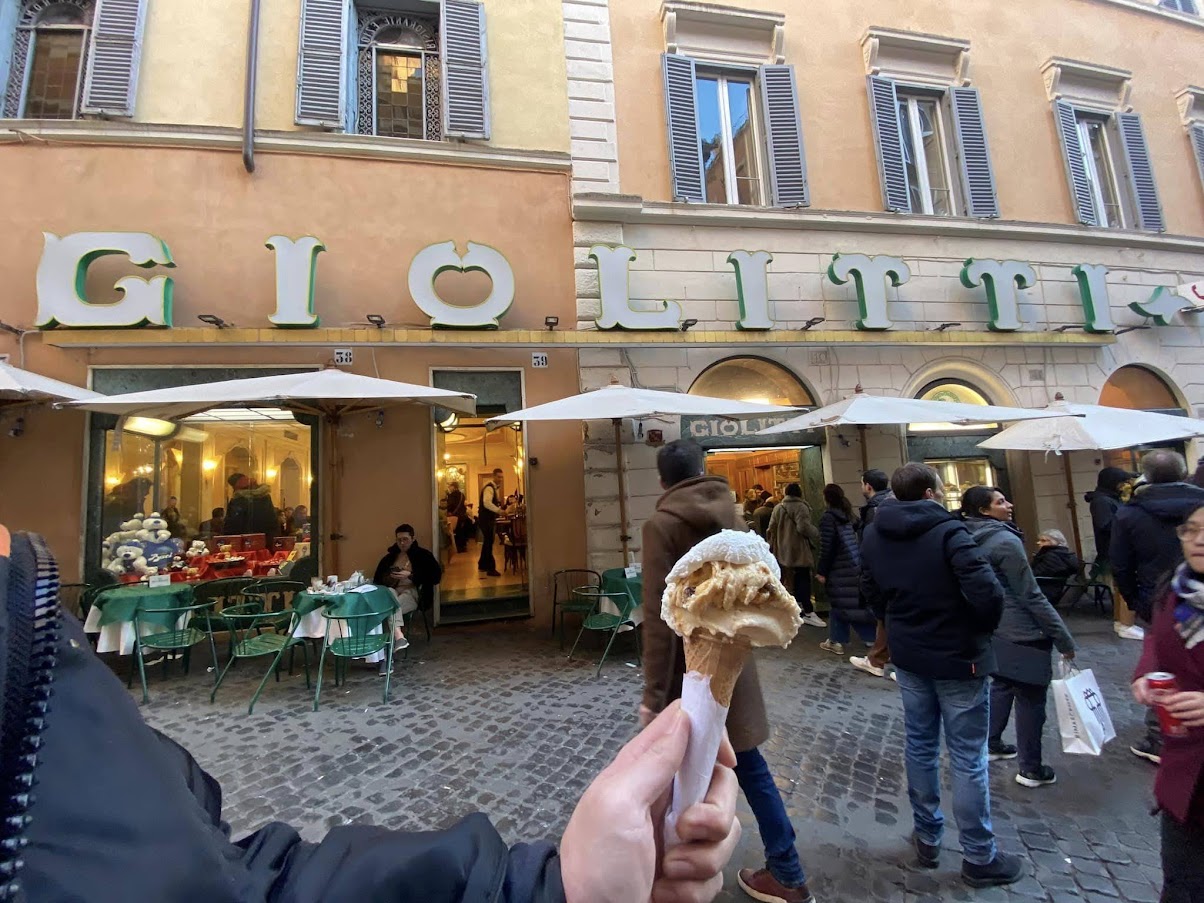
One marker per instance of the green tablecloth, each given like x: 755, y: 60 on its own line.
x: 349, y: 603
x: 616, y: 581
x: 122, y: 603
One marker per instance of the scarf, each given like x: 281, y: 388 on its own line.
x: 1189, y: 606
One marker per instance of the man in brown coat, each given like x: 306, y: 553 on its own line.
x: 694, y: 507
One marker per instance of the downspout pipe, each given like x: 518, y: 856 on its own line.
x: 248, y: 117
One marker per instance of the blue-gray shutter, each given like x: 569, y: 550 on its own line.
x: 465, y: 70
x: 784, y: 136
x: 1076, y: 170
x: 1196, y: 133
x: 681, y: 113
x: 320, y: 71
x: 111, y: 79
x: 978, y: 178
x: 1141, y: 173
x: 888, y: 137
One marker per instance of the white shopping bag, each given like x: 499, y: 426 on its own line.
x: 1083, y: 719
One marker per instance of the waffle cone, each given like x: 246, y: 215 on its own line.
x: 721, y: 658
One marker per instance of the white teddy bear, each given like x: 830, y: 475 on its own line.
x: 196, y: 550
x: 154, y: 529
x: 128, y: 559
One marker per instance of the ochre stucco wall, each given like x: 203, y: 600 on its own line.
x: 194, y: 65
x: 1009, y: 44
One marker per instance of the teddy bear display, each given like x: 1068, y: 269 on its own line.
x: 141, y: 545
x: 128, y: 559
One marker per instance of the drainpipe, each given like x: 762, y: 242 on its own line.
x: 248, y: 117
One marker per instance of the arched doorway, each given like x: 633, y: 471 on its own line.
x: 290, y: 483
x: 752, y: 379
x: 1137, y: 388
x: 952, y: 449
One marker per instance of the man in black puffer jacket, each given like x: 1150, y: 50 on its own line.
x: 923, y: 573
x: 1146, y: 550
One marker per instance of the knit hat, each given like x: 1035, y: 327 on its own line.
x: 239, y: 481
x: 1110, y: 478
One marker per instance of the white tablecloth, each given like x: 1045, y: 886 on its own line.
x: 118, y: 637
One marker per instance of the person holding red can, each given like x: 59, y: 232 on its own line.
x: 1170, y: 676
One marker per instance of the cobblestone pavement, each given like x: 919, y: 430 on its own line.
x: 497, y: 720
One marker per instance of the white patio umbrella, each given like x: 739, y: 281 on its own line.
x: 1090, y: 427
x: 21, y: 387
x: 863, y: 410
x: 616, y: 403
x: 329, y: 393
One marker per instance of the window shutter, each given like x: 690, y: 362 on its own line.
x: 1141, y: 173
x: 784, y: 135
x: 1196, y: 133
x: 884, y: 111
x: 465, y: 70
x: 978, y: 179
x: 681, y: 113
x: 111, y: 79
x: 1076, y: 170
x: 320, y: 63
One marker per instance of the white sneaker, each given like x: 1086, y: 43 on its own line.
x: 813, y: 619
x: 1132, y: 632
x: 861, y: 663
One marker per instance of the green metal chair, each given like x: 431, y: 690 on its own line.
x: 170, y: 630
x: 276, y: 593
x: 302, y: 570
x: 358, y: 640
x: 221, y: 594
x: 259, y: 632
x: 563, y: 585
x: 605, y: 620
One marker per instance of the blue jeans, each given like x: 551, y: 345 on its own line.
x: 962, y: 706
x: 777, y: 833
x: 839, y: 629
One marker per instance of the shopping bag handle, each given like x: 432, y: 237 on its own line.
x: 1066, y: 668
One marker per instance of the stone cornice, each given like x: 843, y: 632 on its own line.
x: 134, y: 134
x: 629, y: 209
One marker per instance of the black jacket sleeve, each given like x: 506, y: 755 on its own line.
x: 976, y: 577
x: 382, y: 569
x: 1122, y: 554
x: 870, y: 591
x: 827, y: 544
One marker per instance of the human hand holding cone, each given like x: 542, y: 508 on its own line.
x: 723, y: 597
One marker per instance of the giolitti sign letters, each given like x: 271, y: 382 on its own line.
x: 146, y: 301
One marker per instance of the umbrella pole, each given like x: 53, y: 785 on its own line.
x: 623, y: 537
x: 332, y: 492
x: 865, y: 451
x: 1074, y: 512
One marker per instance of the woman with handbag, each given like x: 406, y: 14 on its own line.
x: 839, y: 570
x: 1175, y: 644
x: 1028, y: 631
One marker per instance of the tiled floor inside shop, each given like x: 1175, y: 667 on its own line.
x: 496, y: 719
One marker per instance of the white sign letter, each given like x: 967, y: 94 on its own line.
x: 1093, y: 293
x: 435, y: 259
x: 869, y: 275
x: 616, y: 299
x: 752, y: 288
x: 63, y: 273
x: 1000, y: 279
x: 296, y: 269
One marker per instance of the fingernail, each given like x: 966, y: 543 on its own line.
x: 676, y: 868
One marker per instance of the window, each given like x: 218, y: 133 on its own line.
x: 1183, y: 6
x: 752, y: 379
x: 49, y: 52
x: 385, y: 70
x: 926, y: 155
x: 955, y: 391
x: 729, y: 137
x: 1101, y: 174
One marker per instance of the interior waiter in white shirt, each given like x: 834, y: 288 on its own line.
x: 487, y: 513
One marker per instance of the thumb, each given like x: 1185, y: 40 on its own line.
x: 645, y: 767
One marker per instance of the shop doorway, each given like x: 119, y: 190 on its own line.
x: 771, y: 469
x: 1138, y: 389
x: 475, y: 470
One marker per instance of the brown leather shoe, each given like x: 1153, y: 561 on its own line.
x: 761, y: 885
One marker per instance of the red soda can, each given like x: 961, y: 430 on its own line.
x: 1162, y: 684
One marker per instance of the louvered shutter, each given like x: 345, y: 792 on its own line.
x: 1141, y: 173
x: 111, y: 79
x: 1076, y: 169
x: 1196, y: 133
x: 784, y: 135
x: 681, y: 113
x: 320, y: 94
x: 978, y: 179
x: 465, y: 70
x: 884, y: 112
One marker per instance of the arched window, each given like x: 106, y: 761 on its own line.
x: 956, y: 391
x: 49, y: 58
x: 1139, y: 389
x: 397, y: 76
x: 240, y: 460
x: 752, y: 379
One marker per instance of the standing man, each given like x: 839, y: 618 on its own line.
x: 1145, y: 550
x: 694, y: 507
x: 876, y: 489
x: 1103, y: 502
x: 487, y: 515
x: 924, y: 575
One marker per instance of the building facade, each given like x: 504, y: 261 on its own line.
x: 528, y: 198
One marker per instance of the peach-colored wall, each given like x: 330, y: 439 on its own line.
x: 1009, y: 43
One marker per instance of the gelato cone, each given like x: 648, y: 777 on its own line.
x: 719, y: 658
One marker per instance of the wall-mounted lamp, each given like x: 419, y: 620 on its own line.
x: 450, y: 422
x: 945, y: 326
x: 208, y: 465
x: 1066, y: 327
x: 551, y: 322
x: 686, y: 324
x: 270, y: 473
x: 380, y: 420
x: 376, y: 320
x: 812, y: 323
x: 213, y: 320
x: 1123, y: 329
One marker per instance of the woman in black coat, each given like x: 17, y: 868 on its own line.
x: 839, y: 570
x: 1054, y: 564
